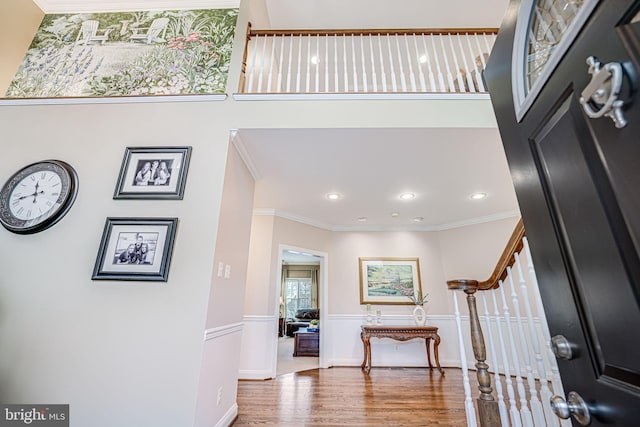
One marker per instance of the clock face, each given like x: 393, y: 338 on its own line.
x: 37, y: 196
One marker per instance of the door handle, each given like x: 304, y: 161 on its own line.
x: 600, y: 97
x: 574, y: 406
x: 561, y: 347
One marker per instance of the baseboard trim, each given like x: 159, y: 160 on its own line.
x: 246, y: 374
x: 229, y: 417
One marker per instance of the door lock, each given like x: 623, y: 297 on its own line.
x: 574, y: 406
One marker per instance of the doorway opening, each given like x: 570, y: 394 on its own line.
x: 301, y: 308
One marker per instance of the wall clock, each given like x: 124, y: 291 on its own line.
x: 37, y: 196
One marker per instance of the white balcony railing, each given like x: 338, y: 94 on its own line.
x: 365, y: 61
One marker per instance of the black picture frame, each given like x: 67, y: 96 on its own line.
x: 135, y: 249
x: 153, y: 173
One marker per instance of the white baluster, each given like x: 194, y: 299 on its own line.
x: 412, y: 77
x: 423, y: 84
x: 467, y: 68
x: 326, y: 62
x: 317, y: 64
x: 544, y: 327
x: 469, y: 408
x: 514, y: 414
x: 525, y: 413
x: 365, y: 86
x: 403, y: 78
x: 534, y: 402
x: 374, y: 77
x: 432, y: 81
x: 353, y: 61
x: 383, y: 75
x: 290, y: 62
x: 452, y: 86
x: 252, y: 68
x: 262, y: 58
x: 279, y: 82
x: 298, y: 76
x: 335, y: 64
x: 545, y: 393
x: 271, y: 61
x: 346, y: 67
x: 308, y: 73
x: 504, y: 416
x: 459, y: 79
x: 394, y: 85
x: 479, y: 86
x: 483, y: 63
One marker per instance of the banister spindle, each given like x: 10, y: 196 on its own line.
x: 536, y: 406
x: 487, y: 406
x: 308, y: 73
x: 467, y: 70
x: 354, y: 63
x: 432, y: 81
x: 289, y: 65
x: 423, y: 84
x: 525, y: 413
x: 412, y: 77
x: 459, y: 79
x: 326, y: 62
x: 253, y: 65
x: 469, y: 409
x: 403, y: 78
x: 383, y: 75
x: 262, y: 58
x: 394, y: 84
x: 483, y: 63
x: 279, y: 82
x: 336, y: 83
x: 504, y: 417
x: 317, y: 64
x: 452, y: 86
x: 346, y: 67
x: 365, y: 86
x: 298, y: 76
x: 374, y: 77
x: 271, y: 61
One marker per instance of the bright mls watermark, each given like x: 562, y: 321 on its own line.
x: 34, y: 415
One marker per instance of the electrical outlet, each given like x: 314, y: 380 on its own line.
x: 220, y: 268
x: 227, y: 272
x: 219, y: 398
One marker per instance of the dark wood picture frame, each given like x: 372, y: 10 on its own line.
x: 135, y: 249
x: 153, y: 173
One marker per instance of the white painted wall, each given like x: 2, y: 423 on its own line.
x: 436, y: 252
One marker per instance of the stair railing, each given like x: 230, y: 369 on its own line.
x: 519, y: 347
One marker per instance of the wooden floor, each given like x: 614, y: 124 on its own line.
x: 348, y: 397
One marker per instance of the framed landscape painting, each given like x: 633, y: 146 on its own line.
x: 389, y: 280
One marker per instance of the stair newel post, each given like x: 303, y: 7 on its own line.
x: 487, y: 405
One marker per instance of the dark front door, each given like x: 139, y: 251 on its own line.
x: 578, y: 184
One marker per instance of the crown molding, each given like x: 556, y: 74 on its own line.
x: 241, y: 148
x: 439, y: 227
x: 85, y: 6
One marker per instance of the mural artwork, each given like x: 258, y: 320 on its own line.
x: 170, y: 52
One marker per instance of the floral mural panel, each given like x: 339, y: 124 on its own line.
x: 168, y: 52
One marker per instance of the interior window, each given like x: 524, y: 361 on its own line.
x: 298, y: 295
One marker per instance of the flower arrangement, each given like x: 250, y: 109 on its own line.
x: 420, y: 300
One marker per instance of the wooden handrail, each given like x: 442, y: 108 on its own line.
x: 371, y: 32
x: 500, y: 271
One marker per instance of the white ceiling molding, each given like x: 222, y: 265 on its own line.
x: 408, y: 227
x: 96, y: 6
x: 244, y: 154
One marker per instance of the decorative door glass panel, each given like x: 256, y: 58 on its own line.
x: 549, y: 23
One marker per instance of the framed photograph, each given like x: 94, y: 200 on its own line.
x: 135, y: 249
x: 153, y: 173
x: 389, y: 280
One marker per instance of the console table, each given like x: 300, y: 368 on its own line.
x: 400, y: 333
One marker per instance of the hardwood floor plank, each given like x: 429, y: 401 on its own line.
x: 348, y: 397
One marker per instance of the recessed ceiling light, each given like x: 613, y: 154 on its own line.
x: 314, y: 59
x: 478, y: 196
x: 334, y: 196
x: 418, y: 219
x: 362, y: 219
x: 407, y: 196
x: 423, y: 59
x: 394, y: 214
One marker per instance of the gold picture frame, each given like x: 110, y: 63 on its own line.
x: 389, y: 281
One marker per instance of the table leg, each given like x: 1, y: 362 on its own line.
x: 435, y: 352
x: 366, y: 362
x: 427, y: 341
